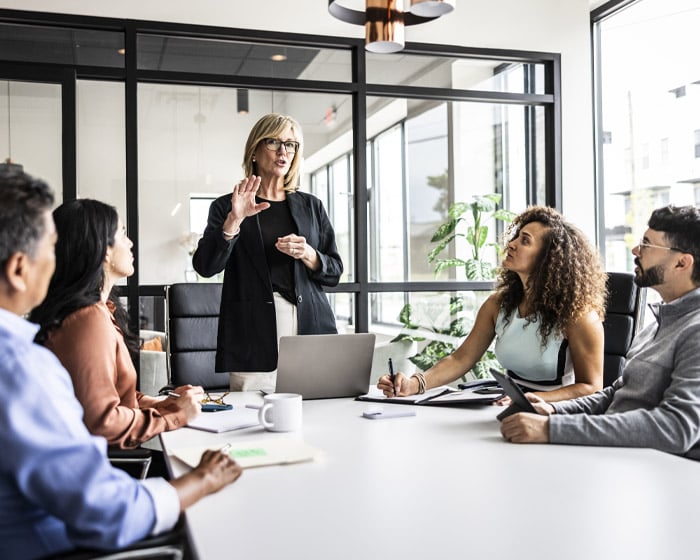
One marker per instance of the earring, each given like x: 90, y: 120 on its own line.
x: 253, y: 159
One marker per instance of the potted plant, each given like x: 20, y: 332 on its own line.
x: 476, y: 267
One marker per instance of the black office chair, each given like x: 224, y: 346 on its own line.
x: 193, y: 320
x: 623, y: 318
x: 136, y: 462
x: 172, y: 545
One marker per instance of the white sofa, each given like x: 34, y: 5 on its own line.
x: 154, y: 367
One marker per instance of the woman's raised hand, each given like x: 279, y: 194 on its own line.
x: 243, y: 203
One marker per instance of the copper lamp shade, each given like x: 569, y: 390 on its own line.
x: 432, y: 8
x: 384, y: 20
x: 384, y: 28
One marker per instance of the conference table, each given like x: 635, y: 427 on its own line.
x: 440, y: 484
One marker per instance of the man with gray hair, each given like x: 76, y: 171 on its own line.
x: 58, y: 490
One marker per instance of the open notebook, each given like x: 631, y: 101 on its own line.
x: 438, y: 396
x: 255, y: 453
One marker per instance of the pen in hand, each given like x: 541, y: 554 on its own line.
x: 173, y: 394
x: 391, y: 375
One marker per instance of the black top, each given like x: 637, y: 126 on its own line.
x: 277, y: 222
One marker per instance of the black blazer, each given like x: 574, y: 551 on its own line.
x: 247, y: 337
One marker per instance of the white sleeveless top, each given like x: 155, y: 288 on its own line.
x: 519, y: 349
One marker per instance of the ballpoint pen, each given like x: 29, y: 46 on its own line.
x: 391, y: 375
x: 173, y: 394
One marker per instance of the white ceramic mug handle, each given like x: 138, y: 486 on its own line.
x: 262, y: 416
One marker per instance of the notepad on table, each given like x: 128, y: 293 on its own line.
x: 438, y: 396
x: 256, y: 453
x: 225, y: 420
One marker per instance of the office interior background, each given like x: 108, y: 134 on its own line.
x: 590, y: 107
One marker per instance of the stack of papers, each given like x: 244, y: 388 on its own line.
x: 256, y: 453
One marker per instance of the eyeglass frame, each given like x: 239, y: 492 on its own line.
x: 209, y: 399
x: 644, y: 244
x: 274, y: 144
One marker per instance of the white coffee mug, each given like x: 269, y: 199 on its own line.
x: 281, y: 412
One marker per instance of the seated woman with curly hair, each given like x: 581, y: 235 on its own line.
x: 546, y: 315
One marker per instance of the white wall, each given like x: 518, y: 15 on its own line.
x: 537, y: 25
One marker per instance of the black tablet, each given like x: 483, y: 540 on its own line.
x: 510, y: 388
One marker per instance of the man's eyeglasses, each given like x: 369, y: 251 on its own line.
x: 646, y: 245
x: 209, y: 399
x: 273, y: 144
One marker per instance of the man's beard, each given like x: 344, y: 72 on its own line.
x: 647, y: 278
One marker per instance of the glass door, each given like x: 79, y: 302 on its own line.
x: 35, y: 134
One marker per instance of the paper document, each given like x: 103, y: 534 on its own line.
x: 256, y: 453
x: 225, y: 420
x: 437, y: 396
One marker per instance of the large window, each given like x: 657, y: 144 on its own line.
x: 390, y: 142
x: 648, y: 117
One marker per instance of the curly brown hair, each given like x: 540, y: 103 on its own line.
x: 568, y: 280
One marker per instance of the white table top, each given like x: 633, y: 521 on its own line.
x: 443, y: 484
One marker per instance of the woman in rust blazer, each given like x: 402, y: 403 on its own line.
x: 83, y: 323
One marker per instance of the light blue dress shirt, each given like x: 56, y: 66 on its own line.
x: 57, y: 488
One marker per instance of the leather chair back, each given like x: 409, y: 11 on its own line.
x: 623, y: 318
x: 193, y: 321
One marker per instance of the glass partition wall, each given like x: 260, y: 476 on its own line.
x: 391, y: 142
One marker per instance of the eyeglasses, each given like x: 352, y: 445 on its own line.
x: 646, y: 245
x: 273, y: 144
x: 209, y: 399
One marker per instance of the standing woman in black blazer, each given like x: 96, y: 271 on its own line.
x: 277, y: 248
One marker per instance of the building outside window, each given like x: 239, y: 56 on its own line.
x: 648, y: 118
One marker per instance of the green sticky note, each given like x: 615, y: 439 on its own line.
x: 241, y: 453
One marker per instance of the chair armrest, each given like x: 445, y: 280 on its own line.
x: 133, y: 461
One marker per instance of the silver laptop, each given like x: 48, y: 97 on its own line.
x: 325, y: 366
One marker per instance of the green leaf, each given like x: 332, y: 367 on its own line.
x: 439, y: 248
x: 457, y: 327
x: 405, y: 317
x: 488, y: 271
x: 444, y: 230
x: 447, y: 263
x: 472, y: 269
x: 481, y: 237
x: 403, y: 336
x: 456, y: 305
x: 457, y: 210
x: 504, y: 215
x: 483, y: 203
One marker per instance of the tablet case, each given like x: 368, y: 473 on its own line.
x: 513, y: 390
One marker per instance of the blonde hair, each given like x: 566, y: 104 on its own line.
x: 271, y: 126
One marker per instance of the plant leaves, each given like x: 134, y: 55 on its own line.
x: 458, y: 209
x: 447, y: 263
x: 444, y: 230
x: 405, y: 317
x: 456, y: 304
x: 504, y: 215
x: 439, y: 248
x: 481, y: 236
